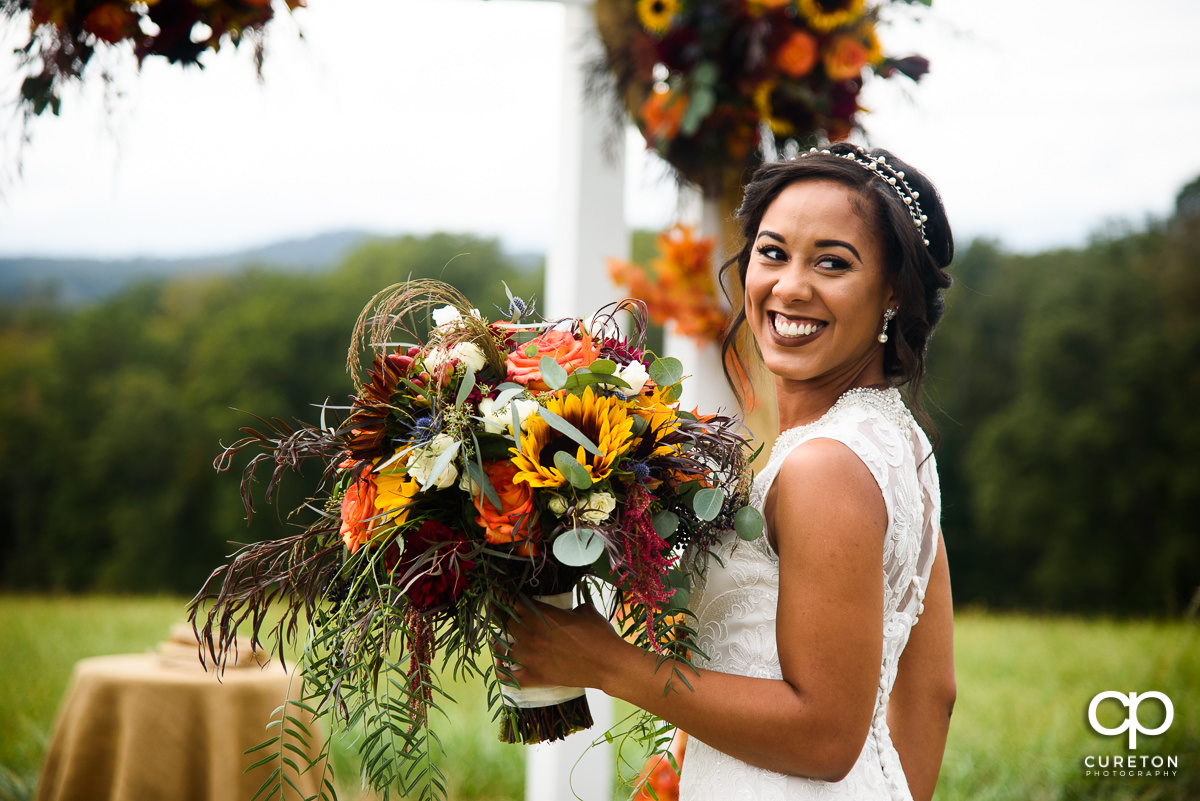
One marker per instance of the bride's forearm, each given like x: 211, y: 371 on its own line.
x: 765, y: 722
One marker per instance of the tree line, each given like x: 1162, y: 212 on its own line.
x: 1059, y: 382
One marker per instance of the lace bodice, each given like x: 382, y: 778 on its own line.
x: 735, y: 602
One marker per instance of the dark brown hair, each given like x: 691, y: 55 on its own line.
x: 919, y: 270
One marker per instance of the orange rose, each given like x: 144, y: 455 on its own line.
x: 662, y: 115
x: 358, y: 512
x: 570, y: 352
x: 797, y: 56
x: 111, y: 22
x: 845, y: 58
x: 513, y: 521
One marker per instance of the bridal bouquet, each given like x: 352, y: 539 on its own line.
x: 476, y: 465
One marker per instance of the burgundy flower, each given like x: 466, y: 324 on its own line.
x: 433, y: 565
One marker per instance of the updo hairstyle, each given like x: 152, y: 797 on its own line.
x: 919, y: 270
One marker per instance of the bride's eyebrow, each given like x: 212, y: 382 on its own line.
x: 777, y: 237
x: 828, y: 243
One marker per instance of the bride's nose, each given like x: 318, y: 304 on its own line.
x: 793, y: 285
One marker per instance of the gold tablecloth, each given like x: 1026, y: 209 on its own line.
x: 140, y: 728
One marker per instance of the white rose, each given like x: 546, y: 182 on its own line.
x: 468, y: 485
x: 557, y: 505
x: 446, y: 316
x: 525, y: 408
x: 422, y: 464
x: 469, y: 354
x: 598, y: 507
x: 435, y: 359
x: 634, y: 374
x: 494, y: 420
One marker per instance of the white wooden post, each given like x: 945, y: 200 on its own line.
x: 590, y: 228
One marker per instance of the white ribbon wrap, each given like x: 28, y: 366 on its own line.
x: 535, y: 697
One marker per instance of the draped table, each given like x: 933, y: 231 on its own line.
x: 140, y: 727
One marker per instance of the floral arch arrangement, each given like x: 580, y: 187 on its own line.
x: 711, y: 84
x: 64, y: 35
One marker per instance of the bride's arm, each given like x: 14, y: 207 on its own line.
x: 829, y: 518
x: 923, y: 695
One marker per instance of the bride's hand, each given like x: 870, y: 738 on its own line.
x: 560, y: 647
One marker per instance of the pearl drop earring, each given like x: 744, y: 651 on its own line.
x: 888, y: 314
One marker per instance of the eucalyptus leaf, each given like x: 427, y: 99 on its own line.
x: 707, y: 502
x: 665, y: 523
x: 570, y: 467
x: 563, y: 427
x: 475, y: 471
x: 578, y: 547
x: 506, y: 396
x: 606, y: 366
x: 706, y: 72
x: 667, y: 371
x: 553, y: 373
x: 440, y: 464
x: 703, y: 101
x: 748, y: 523
x: 516, y: 424
x: 602, y: 567
x: 580, y: 378
x: 679, y: 578
x: 464, y: 389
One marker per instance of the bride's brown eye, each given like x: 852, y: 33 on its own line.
x: 833, y: 263
x: 771, y: 252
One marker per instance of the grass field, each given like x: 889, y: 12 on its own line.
x: 1020, y: 730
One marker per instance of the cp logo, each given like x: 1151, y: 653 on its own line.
x: 1131, y: 723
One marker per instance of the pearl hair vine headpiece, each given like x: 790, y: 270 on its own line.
x: 889, y: 175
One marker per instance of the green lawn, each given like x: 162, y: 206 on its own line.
x: 1020, y: 729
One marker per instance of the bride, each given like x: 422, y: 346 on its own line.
x: 816, y: 680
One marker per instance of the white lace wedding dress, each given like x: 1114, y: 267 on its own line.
x: 736, y: 602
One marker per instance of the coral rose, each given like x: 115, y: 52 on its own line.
x: 569, y: 351
x: 797, y: 55
x: 514, y: 520
x: 845, y: 58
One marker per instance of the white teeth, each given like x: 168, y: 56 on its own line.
x: 789, y: 328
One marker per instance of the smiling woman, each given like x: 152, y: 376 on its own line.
x: 814, y: 681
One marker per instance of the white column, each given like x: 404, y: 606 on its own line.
x: 590, y: 228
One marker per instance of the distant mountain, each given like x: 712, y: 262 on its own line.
x: 73, y: 281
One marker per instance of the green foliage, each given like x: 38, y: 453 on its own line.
x: 1019, y: 730
x: 43, y: 637
x: 1068, y: 463
x: 116, y: 410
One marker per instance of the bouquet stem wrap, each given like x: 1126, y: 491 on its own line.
x: 544, y: 714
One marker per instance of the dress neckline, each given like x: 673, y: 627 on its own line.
x: 886, y: 401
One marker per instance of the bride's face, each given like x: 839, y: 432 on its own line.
x: 817, y: 286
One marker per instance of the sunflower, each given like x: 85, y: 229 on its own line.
x: 661, y: 419
x: 394, y: 493
x: 824, y: 16
x: 655, y: 15
x: 866, y: 34
x: 762, y: 103
x: 603, y: 420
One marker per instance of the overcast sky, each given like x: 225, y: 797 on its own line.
x: 1040, y: 120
